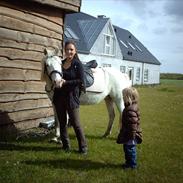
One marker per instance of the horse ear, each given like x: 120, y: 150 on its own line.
x: 56, y: 51
x: 45, y: 51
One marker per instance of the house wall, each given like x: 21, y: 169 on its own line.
x: 114, y: 62
x: 98, y: 46
x: 153, y: 72
x: 26, y: 28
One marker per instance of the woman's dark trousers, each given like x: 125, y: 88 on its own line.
x: 74, y: 117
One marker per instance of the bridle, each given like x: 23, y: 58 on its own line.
x: 55, y: 71
x: 52, y: 72
x: 49, y: 76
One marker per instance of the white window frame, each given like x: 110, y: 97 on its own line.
x: 138, y: 48
x: 146, y: 75
x: 123, y: 43
x: 123, y: 69
x: 131, y: 46
x: 138, y: 74
x: 109, y: 46
x: 106, y: 65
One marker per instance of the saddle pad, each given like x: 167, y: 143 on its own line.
x: 99, y: 81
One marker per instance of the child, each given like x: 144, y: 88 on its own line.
x: 130, y: 133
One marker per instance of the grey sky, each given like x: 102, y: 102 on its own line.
x: 158, y: 24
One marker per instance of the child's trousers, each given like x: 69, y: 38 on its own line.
x: 130, y: 155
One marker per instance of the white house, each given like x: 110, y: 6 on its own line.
x: 111, y: 46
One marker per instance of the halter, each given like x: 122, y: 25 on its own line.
x: 54, y: 71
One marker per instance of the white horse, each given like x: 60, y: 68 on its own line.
x: 112, y: 82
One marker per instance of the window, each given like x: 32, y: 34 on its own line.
x: 138, y: 48
x: 109, y: 42
x: 131, y: 46
x: 124, y: 44
x: 123, y: 69
x: 138, y: 74
x: 131, y: 73
x: 70, y: 34
x: 106, y: 65
x: 146, y: 75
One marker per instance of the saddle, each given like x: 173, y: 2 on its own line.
x: 88, y: 74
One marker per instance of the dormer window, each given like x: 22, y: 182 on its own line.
x: 131, y: 46
x: 69, y: 33
x: 123, y: 43
x: 138, y: 48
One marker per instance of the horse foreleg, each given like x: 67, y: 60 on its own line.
x: 56, y: 138
x: 120, y: 106
x: 110, y: 107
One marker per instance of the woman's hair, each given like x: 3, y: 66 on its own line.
x: 73, y: 43
x: 130, y: 95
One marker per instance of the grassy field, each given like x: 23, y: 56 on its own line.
x: 160, y: 156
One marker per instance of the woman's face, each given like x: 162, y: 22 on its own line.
x: 70, y: 51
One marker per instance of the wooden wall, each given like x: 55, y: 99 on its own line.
x: 26, y: 28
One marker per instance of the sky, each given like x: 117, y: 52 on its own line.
x: 157, y: 24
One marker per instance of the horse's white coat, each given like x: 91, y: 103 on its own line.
x: 114, y: 83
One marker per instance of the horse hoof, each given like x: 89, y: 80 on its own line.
x: 105, y: 135
x: 55, y: 140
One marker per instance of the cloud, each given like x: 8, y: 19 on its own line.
x: 160, y: 30
x: 178, y: 29
x: 174, y: 8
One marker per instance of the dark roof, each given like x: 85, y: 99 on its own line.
x: 136, y: 51
x: 87, y: 29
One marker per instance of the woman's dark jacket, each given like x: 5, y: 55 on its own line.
x: 71, y: 89
x: 130, y: 125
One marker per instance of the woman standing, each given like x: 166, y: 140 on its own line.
x: 66, y: 98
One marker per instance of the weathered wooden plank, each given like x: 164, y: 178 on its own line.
x: 27, y: 17
x: 15, y: 24
x: 22, y: 87
x: 12, y: 97
x: 20, y: 54
x: 22, y: 64
x: 5, y: 43
x: 25, y: 37
x: 18, y: 116
x: 24, y: 105
x: 69, y: 5
x: 19, y: 74
x: 45, y: 12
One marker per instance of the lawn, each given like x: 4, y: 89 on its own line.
x: 160, y: 156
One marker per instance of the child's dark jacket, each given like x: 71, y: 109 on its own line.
x: 130, y: 125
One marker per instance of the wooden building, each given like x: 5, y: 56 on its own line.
x: 26, y: 28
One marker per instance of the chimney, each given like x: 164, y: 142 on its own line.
x: 101, y: 16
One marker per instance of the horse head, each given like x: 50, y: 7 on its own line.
x: 52, y: 66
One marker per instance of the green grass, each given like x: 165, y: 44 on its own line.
x: 160, y: 156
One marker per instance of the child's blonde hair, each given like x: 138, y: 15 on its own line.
x: 130, y: 95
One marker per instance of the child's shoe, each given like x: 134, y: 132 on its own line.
x: 126, y: 166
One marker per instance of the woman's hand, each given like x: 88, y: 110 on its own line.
x: 59, y: 84
x: 62, y: 82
